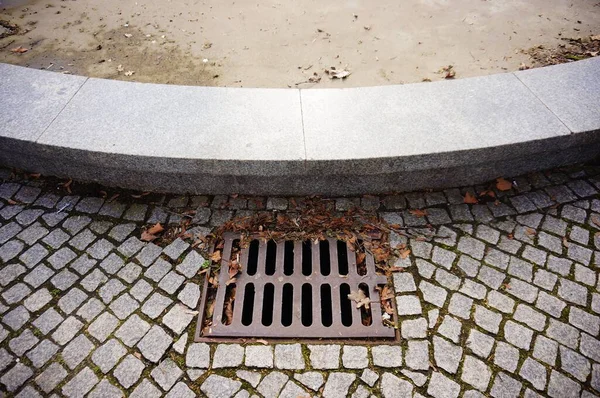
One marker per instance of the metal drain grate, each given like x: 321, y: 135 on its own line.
x: 294, y: 289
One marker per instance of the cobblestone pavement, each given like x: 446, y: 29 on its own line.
x: 500, y: 299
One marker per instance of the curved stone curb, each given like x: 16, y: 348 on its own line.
x: 297, y: 142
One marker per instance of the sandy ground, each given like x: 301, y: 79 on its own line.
x: 258, y: 43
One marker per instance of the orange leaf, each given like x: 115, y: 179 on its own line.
x: 19, y: 50
x: 470, y: 198
x: 503, y: 185
x: 596, y: 221
x: 216, y: 256
x: 404, y: 253
x: 419, y: 213
x: 147, y: 237
x: 156, y: 229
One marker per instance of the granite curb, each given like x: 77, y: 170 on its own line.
x: 296, y: 142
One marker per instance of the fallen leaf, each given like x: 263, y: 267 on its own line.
x: 19, y: 50
x: 530, y: 232
x: 595, y: 38
x: 128, y: 35
x: 418, y: 213
x: 147, y: 237
x: 216, y: 256
x: 234, y: 268
x: 404, y: 253
x: 503, y: 185
x: 448, y: 72
x: 596, y: 220
x: 261, y: 341
x: 337, y: 74
x: 470, y: 198
x: 192, y: 312
x: 156, y: 229
x: 230, y: 281
x: 129, y: 73
x: 360, y: 298
x: 396, y: 269
x: 120, y: 68
x: 523, y: 66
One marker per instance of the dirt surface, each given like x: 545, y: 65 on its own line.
x: 275, y: 44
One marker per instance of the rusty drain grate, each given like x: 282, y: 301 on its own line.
x: 293, y: 289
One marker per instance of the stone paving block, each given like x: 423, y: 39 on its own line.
x: 107, y: 355
x: 16, y: 293
x: 141, y: 290
x: 506, y: 356
x: 518, y: 335
x: 67, y: 330
x: 81, y: 384
x: 189, y: 295
x: 22, y: 343
x: 178, y: 318
x: 585, y: 275
x: 132, y: 330
x: 534, y: 372
x: 146, y: 390
x: 325, y: 356
x: 38, y: 300
x: 479, y: 343
x: 476, y: 373
x: 70, y: 301
x: 155, y: 305
x: 473, y: 289
x: 561, y: 386
x: 91, y: 309
x: 198, y: 355
x: 42, y: 353
x: 83, y: 264
x: 408, y: 305
x: 417, y: 355
x: 446, y: 355
x: 171, y: 282
x: 433, y: 294
x: 53, y: 375
x: 10, y: 273
x: 130, y: 247
x: 289, y: 356
x: 110, y: 290
x: 124, y: 306
x: 505, y: 386
x: 105, y: 389
x: 337, y: 384
x: 45, y: 322
x: 76, y: 351
x: 575, y: 364
x: 166, y: 374
x: 272, y: 384
x: 259, y: 356
x: 103, y: 326
x: 442, y: 387
x: 451, y: 328
x: 155, y: 343
x: 572, y: 292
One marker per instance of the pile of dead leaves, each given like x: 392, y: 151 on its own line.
x: 574, y: 49
x: 489, y: 195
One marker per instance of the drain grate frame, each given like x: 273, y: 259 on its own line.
x: 290, y: 294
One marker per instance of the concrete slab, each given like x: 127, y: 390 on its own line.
x: 427, y: 118
x: 179, y: 122
x: 30, y: 99
x: 570, y: 91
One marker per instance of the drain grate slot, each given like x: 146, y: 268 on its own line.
x: 294, y: 289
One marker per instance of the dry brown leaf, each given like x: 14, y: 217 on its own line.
x: 404, y: 253
x: 503, y: 185
x: 230, y: 281
x: 156, y: 229
x: 12, y: 202
x: 147, y: 237
x: 418, y: 213
x: 216, y: 256
x: 261, y: 341
x: 234, y: 268
x: 470, y: 198
x: 396, y: 269
x: 19, y: 50
x: 530, y: 232
x: 596, y: 220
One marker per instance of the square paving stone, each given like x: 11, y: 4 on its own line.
x: 42, y: 353
x: 107, y: 355
x: 81, y: 384
x: 178, y: 318
x: 110, y: 290
x: 22, y: 343
x: 155, y: 305
x: 67, y: 330
x: 228, y: 356
x: 16, y: 318
x: 216, y: 385
x: 166, y: 374
x: 64, y: 279
x: 171, y: 282
x: 76, y: 351
x: 129, y: 371
x: 505, y: 386
x: 51, y: 377
x: 70, y: 301
x: 16, y: 377
x: 124, y: 306
x: 91, y: 309
x: 442, y: 387
x: 155, y: 343
x: 105, y: 389
x: 103, y: 326
x: 94, y: 280
x: 387, y: 356
x: 47, y: 321
x: 146, y: 390
x: 38, y: 300
x: 132, y: 330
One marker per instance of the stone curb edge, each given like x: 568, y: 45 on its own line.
x: 299, y: 142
